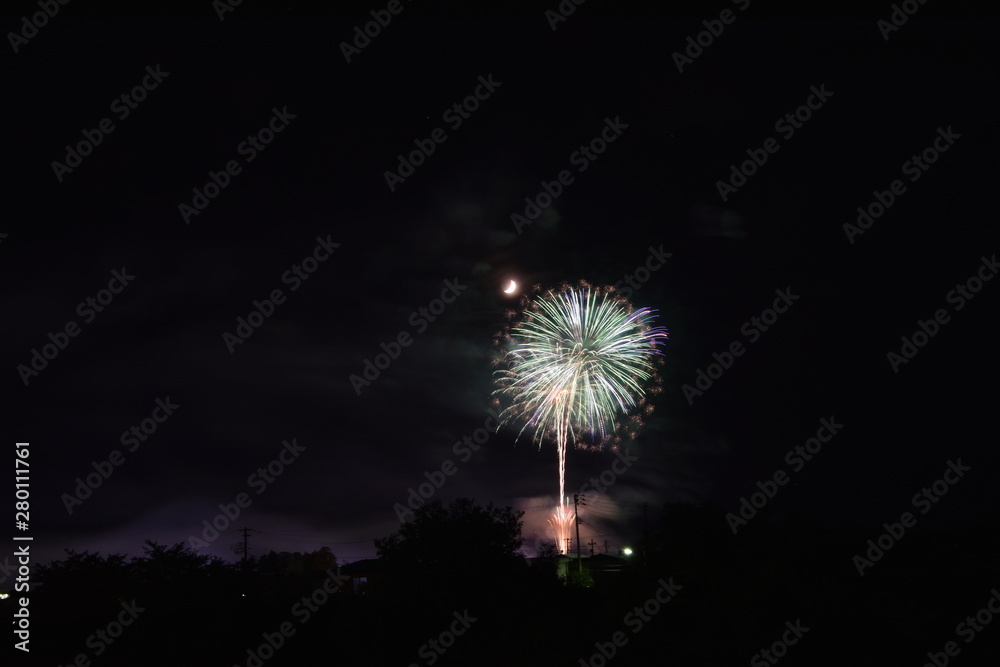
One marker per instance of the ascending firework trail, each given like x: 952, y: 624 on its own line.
x: 577, y: 359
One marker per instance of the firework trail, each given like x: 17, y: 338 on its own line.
x: 576, y: 361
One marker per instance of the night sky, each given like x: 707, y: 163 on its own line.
x: 309, y: 137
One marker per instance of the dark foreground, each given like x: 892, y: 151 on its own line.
x: 709, y: 598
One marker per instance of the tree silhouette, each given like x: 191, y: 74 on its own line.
x: 449, y: 549
x: 87, y: 576
x: 548, y: 550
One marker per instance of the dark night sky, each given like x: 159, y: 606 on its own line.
x: 655, y: 186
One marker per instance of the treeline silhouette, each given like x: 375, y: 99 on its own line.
x: 452, y: 588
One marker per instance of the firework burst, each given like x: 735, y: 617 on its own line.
x: 577, y: 360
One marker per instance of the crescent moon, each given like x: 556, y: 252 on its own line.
x: 510, y: 288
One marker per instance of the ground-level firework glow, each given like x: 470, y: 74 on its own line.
x: 576, y: 360
x: 562, y: 522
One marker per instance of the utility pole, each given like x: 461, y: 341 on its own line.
x: 592, y: 543
x: 577, y: 501
x: 246, y: 547
x: 567, y: 546
x: 605, y: 546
